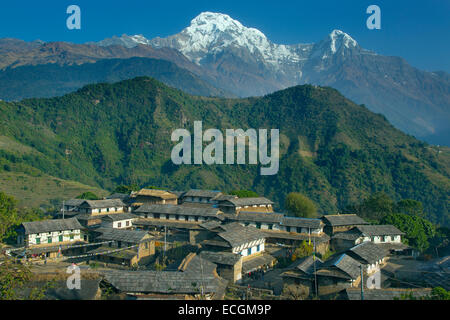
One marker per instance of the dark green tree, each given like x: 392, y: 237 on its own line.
x: 299, y: 205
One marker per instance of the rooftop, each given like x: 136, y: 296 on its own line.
x: 335, y: 220
x: 368, y: 252
x: 163, y: 194
x: 130, y: 236
x: 178, y: 210
x: 43, y: 226
x: 241, y: 202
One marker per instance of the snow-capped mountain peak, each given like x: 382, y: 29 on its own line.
x: 339, y: 38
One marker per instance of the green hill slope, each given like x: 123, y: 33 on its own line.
x: 331, y: 149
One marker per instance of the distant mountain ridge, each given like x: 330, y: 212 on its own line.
x: 243, y: 61
x: 50, y: 80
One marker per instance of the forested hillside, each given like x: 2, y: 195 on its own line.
x: 331, y: 149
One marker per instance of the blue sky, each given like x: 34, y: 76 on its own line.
x: 415, y: 30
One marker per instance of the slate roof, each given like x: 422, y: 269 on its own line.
x: 35, y: 227
x: 351, y: 235
x: 109, y: 203
x: 178, y: 210
x: 379, y: 230
x: 168, y: 223
x: 121, y: 196
x: 224, y: 258
x: 119, y: 216
x: 194, y: 263
x: 342, y: 262
x: 236, y: 234
x: 301, y: 222
x: 241, y: 202
x: 168, y: 282
x: 306, y: 265
x: 384, y: 294
x: 367, y: 252
x: 343, y: 220
x: 130, y: 236
x: 73, y: 202
x: 202, y: 193
x: 211, y: 224
x: 257, y: 217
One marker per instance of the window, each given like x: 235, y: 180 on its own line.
x: 258, y: 225
x: 249, y: 251
x: 71, y: 237
x: 128, y: 223
x: 258, y: 247
x: 38, y: 240
x: 270, y: 226
x: 49, y: 240
x: 288, y: 229
x: 119, y: 225
x: 61, y: 238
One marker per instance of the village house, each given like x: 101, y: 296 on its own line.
x: 136, y: 246
x: 174, y: 285
x: 338, y: 273
x: 301, y: 276
x: 102, y: 207
x: 375, y: 233
x: 119, y: 221
x: 70, y: 208
x: 178, y: 213
x: 234, y: 205
x: 200, y: 197
x: 370, y: 255
x: 279, y: 228
x: 341, y: 222
x: 229, y: 265
x: 50, y: 238
x: 248, y: 242
x: 152, y: 196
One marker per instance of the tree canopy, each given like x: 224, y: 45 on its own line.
x: 300, y: 205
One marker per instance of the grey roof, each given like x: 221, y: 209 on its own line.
x: 306, y: 265
x: 121, y: 196
x: 257, y: 217
x: 224, y: 258
x: 379, y: 230
x: 384, y: 294
x: 240, y: 202
x: 178, y: 210
x: 367, y: 252
x: 211, y: 224
x: 257, y: 262
x: 343, y: 220
x: 95, y: 204
x: 351, y: 235
x: 202, y: 193
x: 301, y: 222
x: 168, y: 282
x: 119, y: 216
x: 130, y: 236
x: 73, y: 202
x: 35, y: 227
x: 236, y: 234
x: 194, y: 263
x: 343, y: 263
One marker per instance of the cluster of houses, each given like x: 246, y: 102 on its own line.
x: 231, y: 236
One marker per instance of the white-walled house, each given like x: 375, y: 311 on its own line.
x: 119, y: 221
x: 372, y: 256
x: 378, y: 234
x: 102, y: 207
x: 49, y: 232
